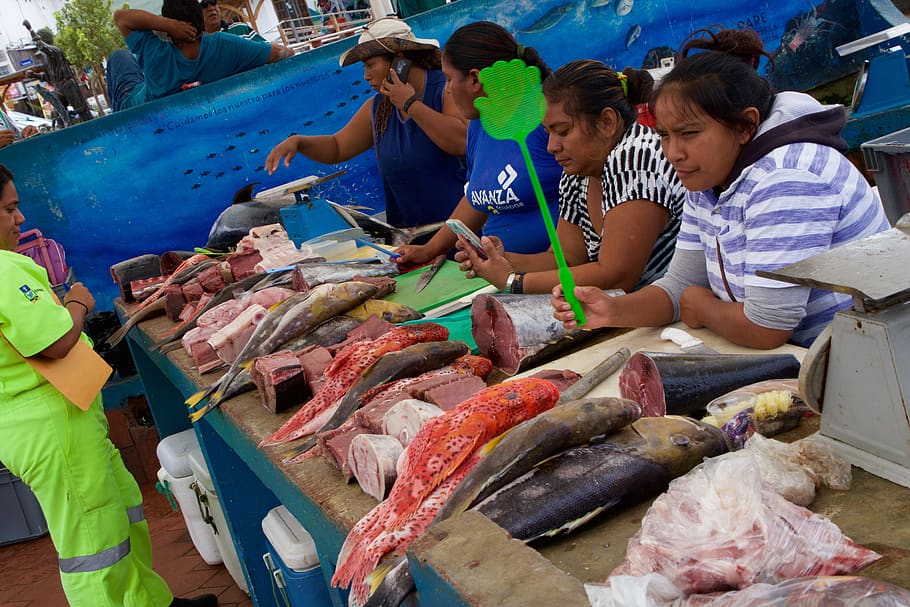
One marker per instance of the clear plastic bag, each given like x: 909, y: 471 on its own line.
x: 841, y: 591
x: 720, y: 528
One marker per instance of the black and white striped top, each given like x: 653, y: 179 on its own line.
x: 636, y: 169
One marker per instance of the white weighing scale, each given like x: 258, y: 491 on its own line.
x: 857, y: 373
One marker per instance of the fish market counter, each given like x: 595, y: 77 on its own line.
x: 466, y: 560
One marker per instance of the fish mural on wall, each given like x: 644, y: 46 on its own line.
x: 155, y: 177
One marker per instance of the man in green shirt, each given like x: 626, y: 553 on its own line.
x: 211, y: 15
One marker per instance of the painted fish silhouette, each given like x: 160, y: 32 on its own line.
x: 204, y: 173
x: 254, y: 151
x: 159, y: 131
x: 237, y: 168
x: 241, y: 134
x: 196, y: 186
x: 259, y: 168
x: 341, y: 104
x: 329, y: 113
x: 307, y: 123
x: 188, y: 171
x: 219, y: 174
x: 356, y: 83
x: 599, y: 3
x: 624, y: 7
x: 336, y: 72
x: 632, y: 35
x: 210, y: 156
x: 263, y: 132
x: 229, y: 148
x: 548, y: 20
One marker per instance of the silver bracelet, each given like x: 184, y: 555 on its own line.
x: 509, y: 281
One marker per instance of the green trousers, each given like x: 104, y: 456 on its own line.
x: 92, y: 503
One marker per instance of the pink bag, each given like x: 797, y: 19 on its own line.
x: 46, y: 253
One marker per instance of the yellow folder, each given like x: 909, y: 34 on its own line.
x: 79, y: 375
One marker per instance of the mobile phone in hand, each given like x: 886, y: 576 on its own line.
x: 460, y: 229
x: 402, y: 67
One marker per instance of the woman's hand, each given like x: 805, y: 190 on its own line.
x: 692, y: 303
x: 81, y: 295
x: 285, y: 150
x: 397, y: 91
x: 29, y: 131
x: 495, y: 270
x: 597, y: 306
x: 6, y: 138
x: 414, y: 256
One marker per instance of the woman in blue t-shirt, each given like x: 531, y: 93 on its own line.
x: 499, y: 197
x: 412, y: 125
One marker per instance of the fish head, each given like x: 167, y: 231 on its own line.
x: 678, y: 443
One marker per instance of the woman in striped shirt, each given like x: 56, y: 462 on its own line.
x: 767, y: 186
x: 620, y: 202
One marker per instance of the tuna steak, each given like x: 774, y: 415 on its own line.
x: 518, y: 331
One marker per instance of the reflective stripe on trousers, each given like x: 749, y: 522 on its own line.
x: 92, y: 504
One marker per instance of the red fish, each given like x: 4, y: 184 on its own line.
x: 443, y: 444
x: 347, y: 367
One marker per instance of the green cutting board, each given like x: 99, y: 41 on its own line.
x: 448, y: 285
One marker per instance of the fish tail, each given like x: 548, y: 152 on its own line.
x: 198, y: 414
x: 198, y: 397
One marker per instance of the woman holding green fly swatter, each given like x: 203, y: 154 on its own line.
x: 620, y: 201
x: 499, y: 197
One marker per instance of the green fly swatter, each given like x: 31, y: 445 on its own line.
x: 513, y: 108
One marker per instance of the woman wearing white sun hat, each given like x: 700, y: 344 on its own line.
x: 412, y: 125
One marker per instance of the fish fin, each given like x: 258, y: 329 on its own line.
x: 198, y: 414
x: 390, y: 582
x: 491, y: 444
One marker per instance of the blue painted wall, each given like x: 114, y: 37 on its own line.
x: 155, y: 177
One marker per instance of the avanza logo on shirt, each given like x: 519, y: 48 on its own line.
x: 503, y: 199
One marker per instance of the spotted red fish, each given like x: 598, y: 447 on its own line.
x: 438, y: 449
x: 347, y: 367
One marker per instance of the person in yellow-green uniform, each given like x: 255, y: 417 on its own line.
x: 92, y: 504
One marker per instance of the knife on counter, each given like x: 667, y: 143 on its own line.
x: 687, y: 342
x: 429, y: 273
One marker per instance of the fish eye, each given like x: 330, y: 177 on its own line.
x: 679, y: 440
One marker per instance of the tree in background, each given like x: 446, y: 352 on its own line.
x: 87, y: 34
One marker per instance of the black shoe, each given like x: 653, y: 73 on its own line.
x: 205, y: 600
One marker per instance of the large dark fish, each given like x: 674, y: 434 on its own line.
x: 525, y: 445
x: 632, y: 465
x: 512, y: 455
x: 236, y: 221
x: 518, y: 331
x: 295, y: 316
x: 682, y: 384
x: 407, y: 362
